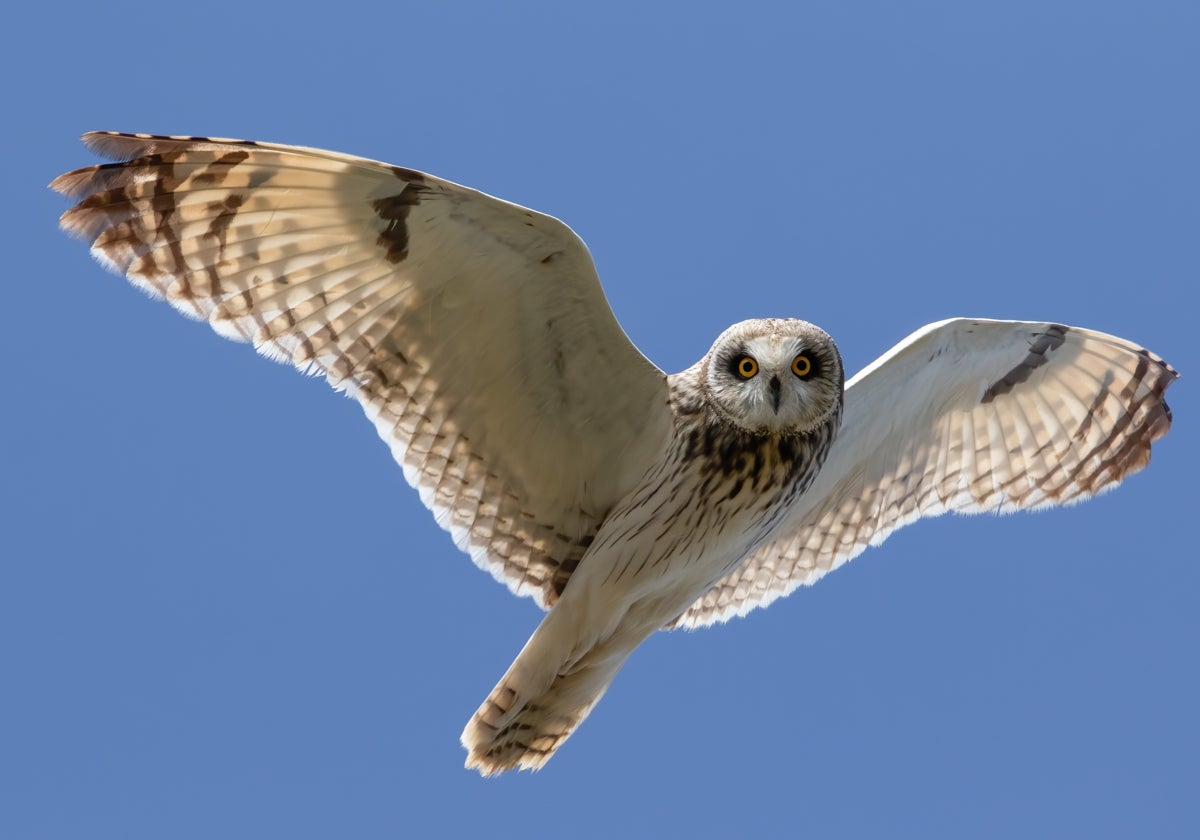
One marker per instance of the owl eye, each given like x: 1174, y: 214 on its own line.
x: 746, y: 367
x: 802, y: 366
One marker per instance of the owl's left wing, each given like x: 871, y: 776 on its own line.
x: 968, y: 416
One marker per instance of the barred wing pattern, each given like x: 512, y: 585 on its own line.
x: 968, y: 416
x: 474, y: 332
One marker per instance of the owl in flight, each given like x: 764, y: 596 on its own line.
x: 623, y: 500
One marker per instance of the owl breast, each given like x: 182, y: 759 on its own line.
x: 718, y: 493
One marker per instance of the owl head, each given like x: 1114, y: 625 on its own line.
x: 774, y: 376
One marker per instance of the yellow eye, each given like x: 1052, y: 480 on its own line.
x: 746, y: 367
x: 802, y: 365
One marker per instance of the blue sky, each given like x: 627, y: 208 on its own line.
x: 223, y: 613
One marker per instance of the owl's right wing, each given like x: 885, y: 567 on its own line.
x: 474, y: 332
x: 968, y: 416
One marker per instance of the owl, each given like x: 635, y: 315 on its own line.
x: 476, y: 336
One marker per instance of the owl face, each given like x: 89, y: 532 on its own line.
x: 774, y: 376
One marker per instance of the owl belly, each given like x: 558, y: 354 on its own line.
x: 686, y: 525
x: 675, y: 536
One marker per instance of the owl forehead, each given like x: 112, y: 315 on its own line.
x: 771, y: 333
x: 772, y: 347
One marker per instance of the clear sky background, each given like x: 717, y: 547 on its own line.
x: 224, y: 614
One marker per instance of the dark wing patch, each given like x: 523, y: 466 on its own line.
x: 1038, y: 355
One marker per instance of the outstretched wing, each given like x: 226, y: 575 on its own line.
x: 966, y: 416
x: 474, y: 332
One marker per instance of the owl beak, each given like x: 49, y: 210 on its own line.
x: 775, y: 393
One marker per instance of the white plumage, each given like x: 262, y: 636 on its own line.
x: 919, y: 439
x: 476, y: 336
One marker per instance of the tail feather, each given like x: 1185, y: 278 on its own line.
x: 546, y: 693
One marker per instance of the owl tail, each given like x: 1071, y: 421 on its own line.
x: 547, y: 692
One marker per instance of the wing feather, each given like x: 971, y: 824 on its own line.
x: 474, y: 332
x: 965, y: 416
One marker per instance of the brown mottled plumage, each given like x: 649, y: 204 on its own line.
x: 476, y: 337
